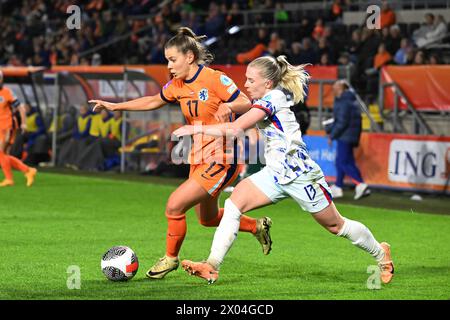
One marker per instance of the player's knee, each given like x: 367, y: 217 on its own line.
x: 174, y: 207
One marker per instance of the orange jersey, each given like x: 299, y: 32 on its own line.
x: 8, y: 100
x: 199, y: 100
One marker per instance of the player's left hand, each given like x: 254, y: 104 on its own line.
x: 100, y: 104
x: 23, y: 127
x: 223, y: 113
x: 184, y: 131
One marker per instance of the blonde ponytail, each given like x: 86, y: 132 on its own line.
x: 281, y: 72
x: 293, y: 79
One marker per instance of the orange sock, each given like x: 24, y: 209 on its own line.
x: 247, y: 224
x: 176, y: 232
x: 6, y: 165
x: 17, y: 164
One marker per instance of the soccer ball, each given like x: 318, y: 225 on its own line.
x: 119, y: 263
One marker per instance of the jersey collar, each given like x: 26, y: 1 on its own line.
x: 200, y: 67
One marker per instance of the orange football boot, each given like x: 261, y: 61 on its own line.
x: 31, y: 173
x: 201, y: 269
x: 6, y: 183
x: 386, y: 266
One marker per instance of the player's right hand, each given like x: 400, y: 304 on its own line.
x: 223, y: 113
x: 100, y: 104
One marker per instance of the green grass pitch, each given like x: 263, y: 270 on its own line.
x: 67, y: 220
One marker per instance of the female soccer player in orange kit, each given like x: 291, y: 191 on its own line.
x: 8, y: 101
x: 205, y: 96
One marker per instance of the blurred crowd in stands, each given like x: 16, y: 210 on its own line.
x: 35, y: 33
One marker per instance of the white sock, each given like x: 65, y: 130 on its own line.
x: 225, y: 234
x: 361, y: 237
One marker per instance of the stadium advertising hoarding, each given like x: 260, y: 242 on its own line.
x: 419, y: 162
x: 405, y: 161
x: 107, y: 82
x: 426, y: 87
x: 322, y: 153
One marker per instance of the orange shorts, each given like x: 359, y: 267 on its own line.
x: 214, y: 177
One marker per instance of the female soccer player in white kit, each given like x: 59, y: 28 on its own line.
x: 275, y: 85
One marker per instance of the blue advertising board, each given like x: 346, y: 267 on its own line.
x: 323, y: 154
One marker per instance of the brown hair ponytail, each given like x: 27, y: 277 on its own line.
x: 186, y: 40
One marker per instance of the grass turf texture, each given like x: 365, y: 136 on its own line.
x: 70, y: 220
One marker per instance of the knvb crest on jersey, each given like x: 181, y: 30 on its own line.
x: 203, y: 94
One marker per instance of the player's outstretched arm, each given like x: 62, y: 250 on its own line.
x: 140, y: 104
x: 246, y: 121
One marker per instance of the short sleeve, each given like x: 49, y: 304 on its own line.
x: 167, y: 92
x: 225, y: 88
x: 266, y: 106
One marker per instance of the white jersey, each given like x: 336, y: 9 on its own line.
x: 285, y: 152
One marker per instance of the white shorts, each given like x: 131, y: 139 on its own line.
x: 310, y: 190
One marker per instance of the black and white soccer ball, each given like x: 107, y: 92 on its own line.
x: 119, y: 263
